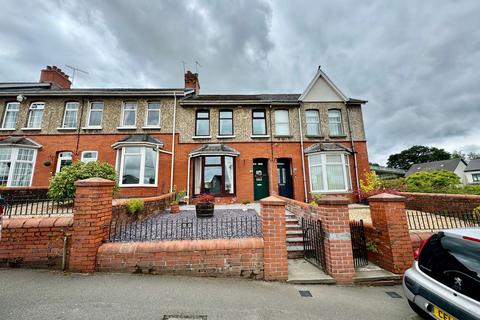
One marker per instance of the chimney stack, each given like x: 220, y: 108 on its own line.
x: 191, y: 81
x: 56, y: 77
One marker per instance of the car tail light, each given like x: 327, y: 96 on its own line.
x: 416, y: 253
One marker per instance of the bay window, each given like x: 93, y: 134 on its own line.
x: 35, y: 115
x: 16, y: 166
x: 129, y: 114
x: 313, y: 122
x: 281, y: 123
x: 70, y: 116
x: 335, y: 122
x: 11, y: 115
x: 153, y: 115
x: 202, y: 123
x: 214, y: 175
x: 329, y: 172
x: 138, y: 166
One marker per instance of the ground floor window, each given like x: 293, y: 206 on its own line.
x: 476, y: 177
x: 138, y: 166
x: 16, y: 166
x: 64, y: 160
x: 329, y: 172
x: 214, y: 175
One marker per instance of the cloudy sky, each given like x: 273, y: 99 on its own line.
x: 416, y: 62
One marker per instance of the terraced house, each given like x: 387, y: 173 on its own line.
x: 235, y: 147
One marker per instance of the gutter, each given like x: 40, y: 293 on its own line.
x: 303, y: 156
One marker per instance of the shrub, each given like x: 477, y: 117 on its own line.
x: 62, y: 185
x: 370, y: 182
x: 398, y: 184
x: 476, y: 213
x: 135, y: 206
x: 179, y: 196
x: 432, y: 181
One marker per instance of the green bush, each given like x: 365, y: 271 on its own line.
x: 432, y: 181
x: 62, y: 185
x: 398, y: 184
x: 135, y: 206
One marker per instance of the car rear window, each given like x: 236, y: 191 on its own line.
x: 455, y: 262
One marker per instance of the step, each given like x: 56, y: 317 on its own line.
x: 301, y: 271
x: 291, y: 220
x: 295, y: 239
x: 294, y: 248
x: 294, y: 233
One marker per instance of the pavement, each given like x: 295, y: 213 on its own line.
x: 41, y: 294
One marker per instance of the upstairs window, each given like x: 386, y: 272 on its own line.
x: 225, y: 127
x: 89, y: 156
x: 202, y: 123
x: 281, y: 123
x: 64, y: 160
x: 129, y: 114
x: 313, y: 122
x: 95, y: 115
x: 153, y: 115
x: 259, y: 124
x: 16, y: 166
x: 71, y: 115
x: 335, y: 122
x: 329, y: 172
x: 35, y: 115
x: 11, y: 115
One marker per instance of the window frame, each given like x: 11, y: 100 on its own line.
x: 196, y: 122
x: 14, y: 155
x: 58, y: 165
x: 222, y: 164
x: 476, y: 177
x: 346, y: 172
x: 6, y: 112
x: 278, y: 111
x: 30, y: 112
x: 121, y: 160
x: 89, y: 116
x: 147, y: 111
x: 231, y: 120
x: 76, y: 115
x: 264, y: 121
x: 122, y: 119
x: 82, y: 157
x: 317, y: 123
x: 340, y: 123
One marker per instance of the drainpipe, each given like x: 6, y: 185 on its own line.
x: 271, y: 153
x: 355, y: 163
x: 173, y: 139
x: 188, y: 179
x: 302, y: 155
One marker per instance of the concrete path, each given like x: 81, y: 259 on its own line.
x: 27, y: 294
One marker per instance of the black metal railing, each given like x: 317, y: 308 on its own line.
x: 38, y: 207
x: 359, y: 243
x: 427, y: 221
x: 313, y: 242
x: 155, y: 228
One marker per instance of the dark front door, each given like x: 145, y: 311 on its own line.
x: 260, y: 179
x: 284, y: 173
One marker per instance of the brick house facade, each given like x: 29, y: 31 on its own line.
x: 237, y: 147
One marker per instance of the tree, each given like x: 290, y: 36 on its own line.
x: 474, y: 155
x: 458, y: 154
x: 416, y: 154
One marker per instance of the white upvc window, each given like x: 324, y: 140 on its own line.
x: 282, y: 126
x: 70, y: 117
x: 11, y: 115
x: 313, y: 122
x: 152, y: 115
x: 335, y: 122
x: 129, y: 114
x: 89, y: 156
x: 329, y: 172
x: 95, y: 115
x: 16, y: 166
x: 35, y: 115
x: 138, y: 166
x: 64, y: 160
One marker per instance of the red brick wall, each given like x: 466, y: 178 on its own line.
x: 152, y: 205
x: 34, y: 242
x: 220, y: 258
x: 440, y: 202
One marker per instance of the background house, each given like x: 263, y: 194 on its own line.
x: 456, y: 166
x: 472, y: 172
x: 386, y: 173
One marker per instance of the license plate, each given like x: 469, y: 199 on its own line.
x: 442, y: 315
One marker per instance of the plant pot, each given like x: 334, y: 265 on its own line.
x: 204, y: 210
x: 174, y: 208
x: 244, y: 208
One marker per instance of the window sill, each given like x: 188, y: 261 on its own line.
x: 225, y: 137
x: 7, y: 129
x: 282, y: 136
x: 338, y: 136
x: 334, y: 192
x: 126, y: 128
x: 151, y: 128
x: 259, y: 136
x: 202, y: 137
x: 66, y: 129
x: 137, y: 185
x: 92, y: 128
x: 314, y: 136
x: 31, y: 129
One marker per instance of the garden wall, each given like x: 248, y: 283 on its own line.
x: 221, y: 257
x: 440, y: 202
x: 153, y: 205
x: 34, y: 242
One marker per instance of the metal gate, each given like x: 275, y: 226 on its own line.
x: 313, y: 242
x: 359, y: 244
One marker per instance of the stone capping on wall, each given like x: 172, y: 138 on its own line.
x: 386, y: 197
x: 43, y: 222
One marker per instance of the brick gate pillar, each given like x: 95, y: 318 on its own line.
x: 389, y: 220
x: 272, y: 211
x: 333, y: 212
x: 92, y: 214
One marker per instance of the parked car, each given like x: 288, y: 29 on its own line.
x: 444, y: 281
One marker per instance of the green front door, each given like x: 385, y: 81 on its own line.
x: 260, y: 179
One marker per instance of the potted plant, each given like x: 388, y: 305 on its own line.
x: 204, y: 206
x: 175, y: 203
x: 245, y: 204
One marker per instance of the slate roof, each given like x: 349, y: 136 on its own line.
x: 139, y: 139
x: 45, y: 89
x: 241, y: 98
x: 448, y: 165
x: 19, y: 141
x: 322, y: 147
x: 214, y: 149
x: 473, y: 165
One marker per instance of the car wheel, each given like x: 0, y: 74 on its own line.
x: 418, y: 311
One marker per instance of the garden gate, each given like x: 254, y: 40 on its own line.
x: 359, y: 244
x: 313, y: 242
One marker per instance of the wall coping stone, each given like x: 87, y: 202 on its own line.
x: 386, y: 197
x: 122, y: 202
x: 329, y: 200
x: 273, y: 201
x: 44, y: 222
x: 94, y: 182
x: 442, y: 195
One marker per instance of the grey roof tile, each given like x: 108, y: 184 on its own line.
x: 214, y: 148
x: 448, y: 165
x: 322, y: 147
x: 473, y: 165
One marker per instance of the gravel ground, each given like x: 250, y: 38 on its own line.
x: 226, y: 223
